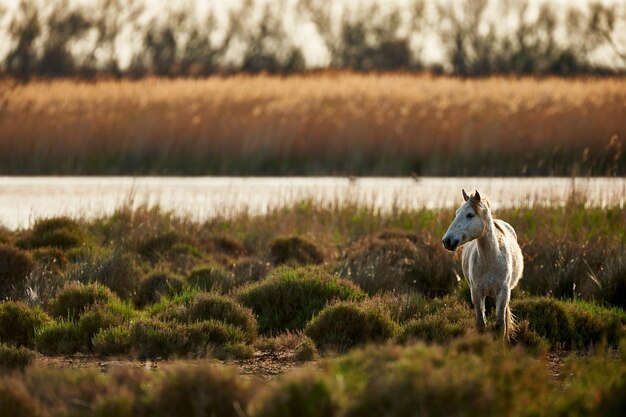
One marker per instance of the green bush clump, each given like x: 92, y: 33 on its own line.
x: 295, y: 250
x: 445, y: 324
x: 119, y: 272
x: 570, y: 324
x: 224, y: 246
x: 471, y: 374
x: 60, y: 337
x: 399, y: 264
x: 250, y: 270
x: 209, y: 306
x: 199, y: 391
x: 308, y: 394
x: 341, y: 326
x: 52, y: 258
x: 160, y: 246
x: 73, y: 299
x: 102, y: 316
x: 112, y: 341
x: 306, y: 350
x: 190, y: 307
x: 17, y: 401
x: 157, y: 285
x: 15, y: 358
x: 15, y: 265
x: 57, y: 232
x: 211, y: 278
x: 18, y: 323
x: 153, y: 338
x: 288, y: 298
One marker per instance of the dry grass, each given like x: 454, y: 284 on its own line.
x: 321, y: 123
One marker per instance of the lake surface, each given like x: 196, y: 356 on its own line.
x: 26, y: 199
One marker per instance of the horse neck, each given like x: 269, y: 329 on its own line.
x: 488, y: 241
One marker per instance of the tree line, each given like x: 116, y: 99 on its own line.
x: 475, y: 38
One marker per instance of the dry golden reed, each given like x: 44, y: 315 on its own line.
x: 66, y: 125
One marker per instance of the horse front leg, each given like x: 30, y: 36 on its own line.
x: 503, y: 313
x: 479, y: 307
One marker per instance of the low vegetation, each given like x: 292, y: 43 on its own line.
x: 383, y: 317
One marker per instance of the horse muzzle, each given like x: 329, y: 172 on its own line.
x: 450, y: 243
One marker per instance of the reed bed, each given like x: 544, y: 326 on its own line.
x: 326, y: 123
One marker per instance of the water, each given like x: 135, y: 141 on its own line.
x: 26, y: 199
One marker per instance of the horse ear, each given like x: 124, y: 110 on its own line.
x: 476, y: 195
x: 465, y: 196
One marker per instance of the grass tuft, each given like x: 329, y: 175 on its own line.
x: 294, y: 251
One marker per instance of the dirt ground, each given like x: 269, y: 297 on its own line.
x: 263, y: 365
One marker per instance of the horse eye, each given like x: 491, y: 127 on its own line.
x: 470, y: 215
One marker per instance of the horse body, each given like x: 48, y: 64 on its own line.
x: 492, y: 260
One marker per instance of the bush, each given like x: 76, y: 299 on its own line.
x: 217, y: 307
x: 18, y: 323
x: 15, y: 358
x: 250, y: 270
x: 58, y: 232
x: 399, y: 264
x: 225, y: 246
x: 442, y: 326
x: 199, y: 391
x: 17, y: 401
x: 162, y: 246
x: 112, y: 341
x: 472, y: 374
x: 61, y: 337
x: 118, y: 272
x: 306, y: 395
x: 101, y: 317
x: 15, y: 265
x: 344, y: 325
x: 295, y: 250
x: 72, y: 300
x: 214, y: 335
x: 52, y: 258
x: 570, y: 324
x: 152, y: 338
x: 306, y: 350
x: 157, y: 285
x: 211, y: 278
x: 288, y: 298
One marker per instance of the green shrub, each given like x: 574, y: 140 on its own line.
x: 224, y: 245
x: 18, y: 323
x: 153, y: 338
x: 17, y: 401
x: 15, y: 358
x: 308, y: 394
x: 112, y: 341
x: 306, y: 350
x: 209, y: 306
x: 446, y: 324
x: 159, y: 247
x: 72, y: 300
x: 230, y: 351
x: 250, y: 270
x: 58, y: 232
x: 295, y: 250
x: 157, y: 285
x: 101, y: 317
x: 15, y: 265
x: 399, y: 264
x: 60, y: 338
x: 117, y: 272
x: 211, y: 278
x: 199, y: 391
x: 288, y: 298
x: 344, y: 325
x: 211, y: 334
x: 570, y: 324
x: 53, y: 259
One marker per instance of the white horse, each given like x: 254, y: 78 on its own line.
x: 492, y: 259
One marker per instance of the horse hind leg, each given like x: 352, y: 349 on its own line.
x: 504, y: 319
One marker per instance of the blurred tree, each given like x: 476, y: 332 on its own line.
x: 24, y: 28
